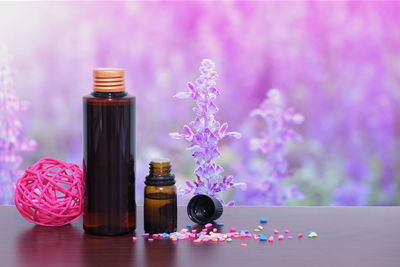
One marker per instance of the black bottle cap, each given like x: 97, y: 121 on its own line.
x: 203, y: 209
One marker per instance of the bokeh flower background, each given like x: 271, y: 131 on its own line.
x: 327, y: 73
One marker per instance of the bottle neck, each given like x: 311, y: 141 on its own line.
x: 161, y: 168
x: 160, y: 173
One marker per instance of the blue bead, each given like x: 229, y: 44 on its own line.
x: 263, y: 220
x: 188, y: 226
x: 220, y: 224
x: 165, y: 235
x: 262, y: 237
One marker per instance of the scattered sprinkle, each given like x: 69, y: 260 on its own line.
x: 165, y: 235
x: 188, y: 226
x: 134, y: 238
x: 312, y: 235
x: 262, y: 237
x: 209, y: 234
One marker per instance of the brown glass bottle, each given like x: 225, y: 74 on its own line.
x: 109, y: 156
x: 160, y: 206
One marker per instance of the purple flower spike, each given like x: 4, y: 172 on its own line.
x: 272, y: 145
x: 204, y: 133
x: 12, y: 141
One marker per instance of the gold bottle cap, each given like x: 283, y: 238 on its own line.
x: 108, y: 80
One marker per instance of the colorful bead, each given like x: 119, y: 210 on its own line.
x: 312, y: 235
x: 262, y: 237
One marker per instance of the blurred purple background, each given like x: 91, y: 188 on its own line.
x: 336, y: 63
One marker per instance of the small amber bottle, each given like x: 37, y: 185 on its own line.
x: 160, y: 207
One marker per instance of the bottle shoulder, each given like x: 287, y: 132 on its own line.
x: 105, y: 97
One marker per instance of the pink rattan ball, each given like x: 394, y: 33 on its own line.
x: 50, y: 193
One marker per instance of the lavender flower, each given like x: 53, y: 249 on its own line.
x: 12, y: 143
x: 273, y: 145
x: 204, y: 133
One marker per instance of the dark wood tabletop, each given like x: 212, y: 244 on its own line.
x: 347, y: 236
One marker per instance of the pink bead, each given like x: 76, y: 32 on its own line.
x: 243, y: 245
x: 194, y: 231
x: 215, y: 230
x: 249, y: 235
x: 280, y: 237
x: 134, y: 238
x: 271, y: 239
x: 197, y: 241
x: 300, y: 235
x: 256, y: 237
x: 276, y: 232
x: 233, y: 229
x: 287, y: 231
x: 145, y: 234
x: 150, y: 239
x: 208, y: 225
x: 290, y: 237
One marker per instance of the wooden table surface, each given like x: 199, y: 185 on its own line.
x: 348, y: 236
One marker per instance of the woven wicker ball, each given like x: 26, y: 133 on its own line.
x: 50, y: 193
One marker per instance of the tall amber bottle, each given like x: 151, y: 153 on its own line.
x: 160, y: 207
x: 109, y: 155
